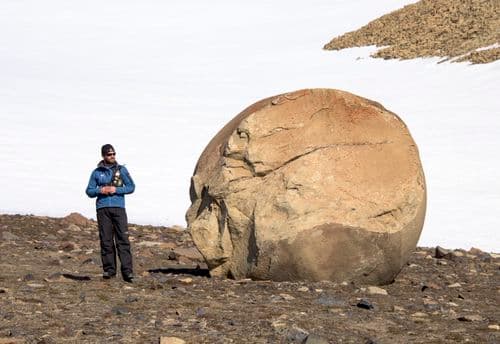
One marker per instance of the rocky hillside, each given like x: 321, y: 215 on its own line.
x: 51, y: 291
x: 452, y: 29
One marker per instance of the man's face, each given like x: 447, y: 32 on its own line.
x: 110, y: 157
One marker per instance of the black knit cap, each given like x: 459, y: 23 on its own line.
x: 106, y: 149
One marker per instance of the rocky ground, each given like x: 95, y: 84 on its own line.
x: 51, y: 291
x: 452, y: 29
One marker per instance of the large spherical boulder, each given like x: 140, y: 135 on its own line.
x: 316, y: 184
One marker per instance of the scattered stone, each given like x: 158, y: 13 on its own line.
x: 172, y: 255
x: 431, y: 305
x: 35, y: 285
x: 278, y: 326
x: 471, y: 318
x: 315, y: 339
x: 73, y: 228
x: 67, y: 246
x: 376, y: 291
x: 8, y: 236
x: 454, y: 285
x: 76, y: 277
x: 131, y: 298
x: 419, y: 315
x: 297, y: 335
x: 171, y: 340
x: 398, y: 309
x: 77, y: 219
x: 475, y: 251
x: 119, y: 310
x: 441, y: 252
x: 186, y: 280
x: 494, y: 327
x: 287, y: 297
x: 303, y: 289
x: 364, y: 304
x: 3, y: 291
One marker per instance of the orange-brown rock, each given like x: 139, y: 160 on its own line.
x: 316, y: 184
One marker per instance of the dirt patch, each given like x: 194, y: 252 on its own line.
x: 51, y: 291
x: 444, y: 28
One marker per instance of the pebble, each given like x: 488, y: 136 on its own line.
x: 471, y: 318
x: 186, y: 280
x: 172, y: 340
x: 494, y: 327
x: 35, y: 285
x: 118, y: 310
x: 364, y: 304
x: 278, y: 325
x: 376, y: 291
x: 419, y: 315
x: 398, y: 309
x: 454, y: 285
x: 303, y: 289
x: 287, y: 297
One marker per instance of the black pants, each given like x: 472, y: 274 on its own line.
x: 112, y: 224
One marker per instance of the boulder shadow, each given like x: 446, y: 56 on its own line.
x: 182, y: 270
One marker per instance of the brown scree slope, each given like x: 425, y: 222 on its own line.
x: 444, y: 28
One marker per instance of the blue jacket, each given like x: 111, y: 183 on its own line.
x: 102, y: 176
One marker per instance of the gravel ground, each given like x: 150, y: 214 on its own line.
x: 51, y: 291
x: 445, y: 28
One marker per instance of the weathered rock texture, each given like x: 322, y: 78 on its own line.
x: 316, y: 184
x: 446, y: 28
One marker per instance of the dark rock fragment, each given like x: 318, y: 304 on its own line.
x: 364, y: 304
x: 119, y: 310
x: 441, y: 252
x: 76, y: 277
x: 296, y: 335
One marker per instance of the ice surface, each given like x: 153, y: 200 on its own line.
x: 158, y: 79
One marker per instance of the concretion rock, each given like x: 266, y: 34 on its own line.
x: 316, y: 184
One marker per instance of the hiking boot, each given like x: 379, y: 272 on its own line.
x: 128, y: 277
x: 108, y: 275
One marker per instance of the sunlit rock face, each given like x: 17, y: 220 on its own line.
x: 316, y: 184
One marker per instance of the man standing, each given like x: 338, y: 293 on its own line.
x: 109, y: 182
